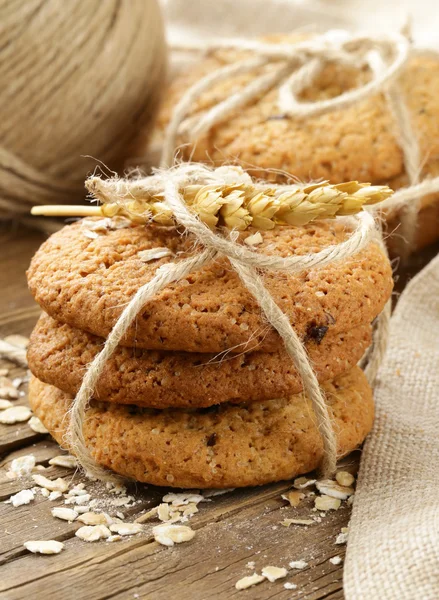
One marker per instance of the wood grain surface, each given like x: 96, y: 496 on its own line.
x: 231, y: 530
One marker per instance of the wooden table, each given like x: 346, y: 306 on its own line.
x: 231, y: 530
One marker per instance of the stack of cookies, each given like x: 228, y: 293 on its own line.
x: 201, y: 393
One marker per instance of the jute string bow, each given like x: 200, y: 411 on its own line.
x: 293, y: 68
x: 249, y: 265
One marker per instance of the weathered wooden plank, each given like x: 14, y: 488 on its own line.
x: 207, y: 567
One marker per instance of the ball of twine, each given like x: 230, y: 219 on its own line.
x: 79, y: 80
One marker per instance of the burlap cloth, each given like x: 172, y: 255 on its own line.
x: 393, y: 547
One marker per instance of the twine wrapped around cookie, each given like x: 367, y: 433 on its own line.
x: 295, y: 67
x: 248, y: 264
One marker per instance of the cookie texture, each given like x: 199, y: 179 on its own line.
x: 87, y: 282
x: 219, y: 447
x: 59, y: 354
x: 359, y: 142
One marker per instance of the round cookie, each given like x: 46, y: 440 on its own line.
x: 359, y: 142
x: 221, y: 447
x: 59, y: 354
x: 87, y: 282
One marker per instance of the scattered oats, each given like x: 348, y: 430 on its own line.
x: 45, y: 492
x: 350, y: 500
x: 5, y: 404
x: 254, y: 240
x: 113, y: 538
x: 163, y: 512
x: 82, y: 509
x: 58, y: 485
x: 126, y: 528
x: 17, y: 381
x: 274, y: 573
x: 298, y: 564
x: 327, y: 503
x: 170, y: 534
x: 333, y: 489
x: 294, y: 497
x: 290, y: 586
x: 16, y: 340
x: 91, y: 518
x: 342, y: 537
x: 248, y: 581
x: 54, y: 495
x: 77, y: 490
x: 16, y: 414
x: 181, y: 499
x: 344, y: 478
x: 66, y: 514
x: 124, y: 501
x: 23, y: 497
x: 64, y: 460
x: 39, y: 468
x: 44, y: 546
x: 154, y: 254
x: 288, y: 522
x: 79, y: 500
x: 251, y: 564
x: 93, y: 533
x: 22, y: 466
x: 336, y: 560
x: 148, y: 515
x: 120, y: 515
x: 303, y: 482
x: 190, y: 510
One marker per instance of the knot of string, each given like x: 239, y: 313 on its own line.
x: 249, y: 265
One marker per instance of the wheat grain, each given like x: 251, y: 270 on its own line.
x: 233, y: 206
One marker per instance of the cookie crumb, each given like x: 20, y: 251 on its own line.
x: 294, y: 497
x: 290, y: 586
x: 298, y: 564
x: 66, y: 514
x: 333, y: 489
x: 168, y: 535
x: 249, y: 581
x: 126, y: 528
x: 344, y: 478
x: 274, y: 573
x: 22, y: 466
x: 336, y: 560
x: 23, y: 497
x: 327, y: 503
x: 44, y: 546
x: 58, y: 485
x: 93, y: 533
x: 64, y: 460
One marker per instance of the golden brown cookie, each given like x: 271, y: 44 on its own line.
x: 359, y: 142
x: 218, y: 447
x: 59, y: 354
x: 87, y: 282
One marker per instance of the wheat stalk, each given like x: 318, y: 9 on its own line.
x: 235, y: 206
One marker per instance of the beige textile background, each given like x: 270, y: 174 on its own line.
x: 393, y: 547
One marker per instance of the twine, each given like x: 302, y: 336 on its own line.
x: 295, y: 67
x: 248, y: 265
x: 78, y: 78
